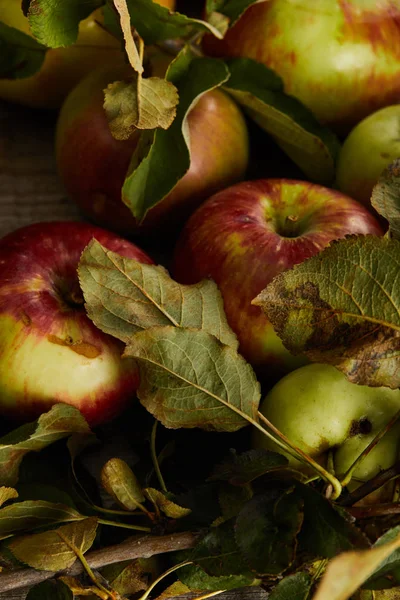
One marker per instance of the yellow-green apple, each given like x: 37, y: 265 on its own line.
x: 367, y: 151
x: 63, y: 68
x: 245, y: 235
x: 321, y: 411
x: 92, y: 164
x: 339, y: 57
x: 50, y: 351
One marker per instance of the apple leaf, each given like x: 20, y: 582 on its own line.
x: 195, y: 578
x: 188, y: 378
x: 130, y: 577
x: 241, y: 469
x: 172, y: 591
x: 343, y: 307
x: 165, y: 504
x: 20, y: 54
x: 120, y: 482
x: 6, y: 494
x: 155, y: 169
x: 348, y: 571
x: 140, y: 104
x: 124, y: 296
x: 231, y: 9
x: 387, y: 573
x: 292, y: 587
x: 231, y: 499
x: 31, y: 514
x: 50, y: 590
x: 131, y: 49
x: 55, y: 23
x: 267, y: 528
x: 59, y: 422
x: 260, y: 91
x: 386, y: 197
x: 56, y: 549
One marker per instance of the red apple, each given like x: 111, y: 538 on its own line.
x: 50, y: 351
x: 92, y: 164
x: 245, y: 235
x: 341, y: 58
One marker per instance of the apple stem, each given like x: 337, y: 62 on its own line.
x: 124, y: 525
x: 305, y: 458
x: 154, y: 458
x: 349, y: 473
x: 373, y: 484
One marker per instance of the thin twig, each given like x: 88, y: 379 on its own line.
x: 373, y: 484
x: 374, y: 510
x: 142, y: 547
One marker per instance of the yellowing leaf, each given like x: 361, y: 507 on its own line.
x: 140, y: 104
x: 7, y: 494
x: 343, y: 307
x: 61, y: 421
x: 348, y: 571
x: 124, y: 296
x: 130, y: 46
x: 57, y: 549
x: 120, y: 482
x: 189, y: 379
x: 80, y: 590
x: 175, y: 589
x: 167, y: 506
x: 31, y: 514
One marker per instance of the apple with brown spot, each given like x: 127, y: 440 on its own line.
x: 245, y: 235
x: 341, y: 58
x: 50, y: 351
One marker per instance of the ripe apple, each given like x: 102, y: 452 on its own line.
x: 50, y: 351
x: 369, y: 148
x: 245, y: 235
x: 93, y: 165
x: 341, y: 59
x: 321, y: 411
x: 63, y: 68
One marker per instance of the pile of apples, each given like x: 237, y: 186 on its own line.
x: 342, y: 61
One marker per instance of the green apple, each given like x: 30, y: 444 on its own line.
x: 320, y: 411
x: 368, y: 149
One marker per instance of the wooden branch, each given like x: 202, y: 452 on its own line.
x: 142, y: 547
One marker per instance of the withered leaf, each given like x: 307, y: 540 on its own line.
x: 189, y: 379
x: 124, y: 296
x: 165, y: 504
x: 78, y: 589
x: 126, y: 27
x: 59, y: 422
x: 120, y: 482
x: 6, y: 494
x: 56, y: 549
x: 342, y: 307
x: 386, y: 197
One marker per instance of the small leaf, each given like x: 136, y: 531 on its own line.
x: 20, y: 55
x: 50, y: 590
x: 155, y: 169
x: 260, y: 91
x: 31, y: 514
x: 120, y: 482
x: 175, y: 589
x: 348, y: 571
x: 131, y: 577
x: 78, y: 589
x: 241, y: 469
x: 143, y: 103
x: 189, y: 379
x: 292, y: 587
x: 166, y: 505
x: 124, y: 296
x: 6, y: 494
x: 342, y: 307
x: 386, y: 197
x: 199, y: 581
x: 59, y: 422
x: 56, y: 23
x: 267, y: 529
x: 56, y: 549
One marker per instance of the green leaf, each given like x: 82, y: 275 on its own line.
x: 20, y: 55
x: 56, y: 549
x: 260, y: 92
x: 241, y: 469
x: 155, y: 23
x: 166, y: 504
x: 141, y: 103
x: 386, y: 197
x: 388, y: 571
x: 50, y: 590
x: 59, y: 422
x: 343, y: 307
x: 292, y: 587
x: 267, y: 529
x: 120, y: 482
x: 189, y: 379
x: 155, y: 169
x: 327, y: 529
x: 198, y: 580
x: 124, y: 296
x: 6, y: 494
x: 32, y: 514
x: 55, y: 23
x: 233, y: 9
x: 231, y: 500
